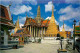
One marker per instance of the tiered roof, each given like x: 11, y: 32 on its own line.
x: 5, y: 17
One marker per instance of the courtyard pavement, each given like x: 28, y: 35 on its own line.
x: 38, y: 48
x: 34, y: 48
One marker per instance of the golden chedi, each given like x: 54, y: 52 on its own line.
x: 52, y: 29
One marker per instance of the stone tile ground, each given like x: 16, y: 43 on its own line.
x: 37, y: 48
x: 34, y: 48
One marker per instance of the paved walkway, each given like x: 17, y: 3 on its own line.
x: 38, y: 48
x: 34, y: 48
x: 70, y: 49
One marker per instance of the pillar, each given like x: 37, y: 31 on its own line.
x: 5, y: 38
x: 28, y: 28
x: 36, y: 32
x: 39, y: 31
x: 42, y: 32
x: 32, y: 31
x: 0, y: 38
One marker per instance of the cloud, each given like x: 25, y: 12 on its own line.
x: 22, y: 21
x: 48, y: 7
x: 21, y: 9
x: 73, y: 1
x: 67, y: 28
x: 55, y: 20
x: 13, y: 2
x: 33, y: 2
x: 69, y: 13
x: 78, y: 23
x: 21, y: 25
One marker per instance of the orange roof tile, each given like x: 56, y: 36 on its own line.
x: 45, y: 21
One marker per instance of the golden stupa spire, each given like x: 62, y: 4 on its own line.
x: 63, y: 26
x: 17, y: 25
x: 52, y: 27
x: 63, y: 31
x: 38, y: 17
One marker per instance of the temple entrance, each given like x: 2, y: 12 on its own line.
x: 21, y: 40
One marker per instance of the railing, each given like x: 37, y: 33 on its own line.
x: 13, y: 42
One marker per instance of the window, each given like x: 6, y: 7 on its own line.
x: 2, y: 13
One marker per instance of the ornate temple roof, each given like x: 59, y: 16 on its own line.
x: 30, y: 21
x: 5, y: 17
x: 37, y: 21
x: 22, y: 31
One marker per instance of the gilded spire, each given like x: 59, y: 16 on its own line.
x: 52, y: 27
x: 17, y: 26
x: 38, y: 12
x: 18, y: 22
x: 63, y: 27
x: 38, y: 18
x: 63, y: 31
x: 63, y: 24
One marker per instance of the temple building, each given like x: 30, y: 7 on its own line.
x: 38, y: 27
x: 6, y: 24
x: 20, y: 34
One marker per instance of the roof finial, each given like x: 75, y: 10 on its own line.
x: 38, y: 12
x: 26, y: 12
x: 63, y: 23
x: 10, y: 4
x: 52, y: 8
x: 63, y: 26
x: 18, y: 22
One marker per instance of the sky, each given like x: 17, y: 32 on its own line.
x: 64, y: 10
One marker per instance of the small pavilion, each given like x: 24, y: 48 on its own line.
x: 6, y: 24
